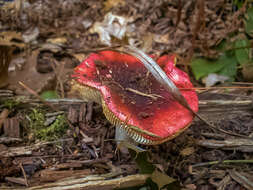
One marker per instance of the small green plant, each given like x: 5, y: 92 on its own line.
x: 47, y: 133
x: 50, y: 94
x: 235, y: 53
x: 11, y: 103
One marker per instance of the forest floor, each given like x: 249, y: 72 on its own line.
x: 55, y: 142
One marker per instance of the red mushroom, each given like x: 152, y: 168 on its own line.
x: 133, y: 99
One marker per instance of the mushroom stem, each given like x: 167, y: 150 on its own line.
x: 124, y: 142
x: 121, y: 137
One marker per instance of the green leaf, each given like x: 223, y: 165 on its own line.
x: 230, y: 69
x: 249, y: 22
x: 242, y: 54
x: 238, y: 3
x: 202, y: 67
x: 50, y: 94
x: 141, y: 160
x: 224, y: 65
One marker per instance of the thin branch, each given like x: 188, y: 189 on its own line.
x: 153, y: 96
x: 24, y: 174
x: 37, y: 96
x: 223, y: 162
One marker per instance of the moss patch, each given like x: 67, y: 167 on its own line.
x: 48, y: 133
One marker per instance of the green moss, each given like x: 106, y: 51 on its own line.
x: 47, y: 133
x: 10, y: 104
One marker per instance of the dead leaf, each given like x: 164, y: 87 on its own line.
x: 112, y: 26
x: 247, y: 72
x: 161, y: 38
x: 187, y: 151
x: 31, y: 34
x: 60, y: 40
x: 15, y: 5
x: 161, y: 179
x: 8, y: 40
x: 80, y: 57
x: 30, y: 76
x: 108, y: 4
x: 147, y: 42
x: 11, y: 38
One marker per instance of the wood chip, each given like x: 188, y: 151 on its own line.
x: 17, y: 180
x: 12, y: 127
x: 89, y: 111
x: 72, y: 115
x: 244, y: 181
x: 4, y: 114
x: 52, y: 175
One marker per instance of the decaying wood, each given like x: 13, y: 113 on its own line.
x: 26, y: 150
x: 215, y: 110
x: 9, y: 140
x: 17, y: 180
x: 5, y: 59
x: 98, y: 182
x: 12, y: 127
x: 3, y: 115
x: 244, y: 145
x: 49, y: 175
x: 241, y: 179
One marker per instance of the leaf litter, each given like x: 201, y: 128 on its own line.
x: 53, y: 35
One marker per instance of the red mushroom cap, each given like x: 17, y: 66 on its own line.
x: 133, y: 98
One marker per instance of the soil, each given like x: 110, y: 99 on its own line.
x: 51, y: 37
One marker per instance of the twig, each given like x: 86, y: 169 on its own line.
x: 37, y: 96
x: 89, y: 162
x: 241, y: 144
x: 230, y: 94
x: 9, y: 140
x: 243, y: 180
x: 107, y: 181
x: 153, y: 96
x: 45, y: 102
x: 243, y: 83
x: 24, y: 174
x: 218, y: 87
x: 225, y: 102
x: 27, y: 150
x: 223, y: 162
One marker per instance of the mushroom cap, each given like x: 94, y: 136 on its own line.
x: 132, y: 98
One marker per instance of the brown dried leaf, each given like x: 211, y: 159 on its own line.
x: 161, y: 179
x: 187, y: 151
x: 31, y: 77
x: 247, y: 72
x: 9, y: 38
x: 108, y: 4
x: 59, y: 40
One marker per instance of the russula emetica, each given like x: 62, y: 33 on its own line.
x: 132, y: 98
